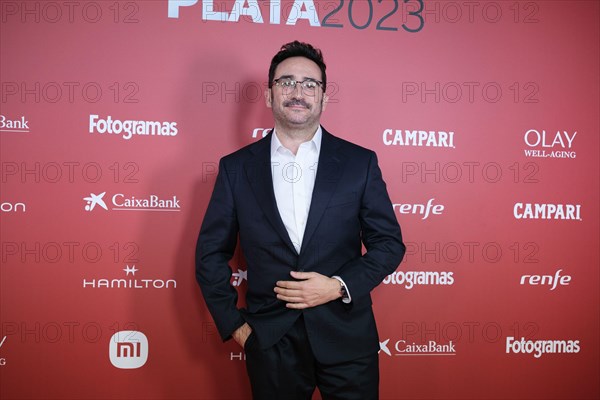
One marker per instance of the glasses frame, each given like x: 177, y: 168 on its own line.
x: 294, y: 84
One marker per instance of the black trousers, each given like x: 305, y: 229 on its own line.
x: 289, y: 371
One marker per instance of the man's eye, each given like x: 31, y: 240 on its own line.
x: 310, y: 85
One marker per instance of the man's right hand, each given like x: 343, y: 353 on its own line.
x: 240, y: 335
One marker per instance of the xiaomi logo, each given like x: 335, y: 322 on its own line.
x: 128, y: 349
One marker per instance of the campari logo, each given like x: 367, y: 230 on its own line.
x: 547, y: 211
x: 404, y: 348
x: 416, y: 138
x: 548, y: 144
x: 123, y: 202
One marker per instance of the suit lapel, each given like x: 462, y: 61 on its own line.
x: 258, y: 172
x: 329, y: 172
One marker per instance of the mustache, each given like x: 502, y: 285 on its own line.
x: 296, y: 102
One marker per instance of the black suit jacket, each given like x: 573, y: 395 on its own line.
x: 350, y: 207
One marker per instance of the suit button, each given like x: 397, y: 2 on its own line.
x: 300, y: 269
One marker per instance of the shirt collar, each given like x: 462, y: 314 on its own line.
x: 316, y: 140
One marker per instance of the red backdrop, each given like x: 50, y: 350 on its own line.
x: 484, y: 115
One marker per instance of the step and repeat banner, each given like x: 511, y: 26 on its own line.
x: 484, y: 116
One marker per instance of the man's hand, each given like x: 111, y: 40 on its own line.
x: 312, y: 290
x: 240, y: 335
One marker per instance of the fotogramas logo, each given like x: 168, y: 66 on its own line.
x: 549, y: 144
x: 538, y: 348
x: 14, y: 125
x: 129, y: 281
x: 129, y: 128
x: 128, y: 349
x: 127, y: 202
x: 410, y: 279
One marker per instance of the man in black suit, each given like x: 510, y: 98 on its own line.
x: 302, y: 202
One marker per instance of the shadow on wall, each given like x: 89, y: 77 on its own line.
x: 209, y: 130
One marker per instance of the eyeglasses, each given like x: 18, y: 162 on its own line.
x: 309, y: 86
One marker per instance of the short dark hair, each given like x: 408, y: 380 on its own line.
x: 298, y: 49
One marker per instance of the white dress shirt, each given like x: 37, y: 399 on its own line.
x: 293, y: 183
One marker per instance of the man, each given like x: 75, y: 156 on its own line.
x: 302, y: 202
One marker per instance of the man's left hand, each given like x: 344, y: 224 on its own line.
x: 312, y: 289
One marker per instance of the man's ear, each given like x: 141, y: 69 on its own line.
x: 268, y: 98
x: 324, y: 102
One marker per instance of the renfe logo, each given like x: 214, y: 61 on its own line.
x: 128, y: 349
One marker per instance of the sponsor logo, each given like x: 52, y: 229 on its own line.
x: 129, y: 282
x: 420, y: 209
x: 411, y: 279
x: 383, y: 346
x: 2, y: 360
x: 431, y: 348
x: 547, y: 211
x: 260, y: 132
x: 549, y: 145
x: 540, y: 347
x: 95, y: 200
x: 239, y: 277
x: 401, y: 137
x: 14, y: 125
x: 8, y: 207
x: 547, y: 280
x: 274, y: 13
x: 128, y: 349
x: 127, y: 129
x: 122, y: 202
x: 302, y: 9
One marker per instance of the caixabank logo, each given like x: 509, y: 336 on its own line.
x: 127, y: 202
x: 405, y: 348
x: 14, y: 125
x: 128, y: 349
x: 237, y: 278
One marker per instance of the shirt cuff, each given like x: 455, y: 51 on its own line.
x: 346, y: 298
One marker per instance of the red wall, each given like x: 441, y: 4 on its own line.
x: 514, y: 84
